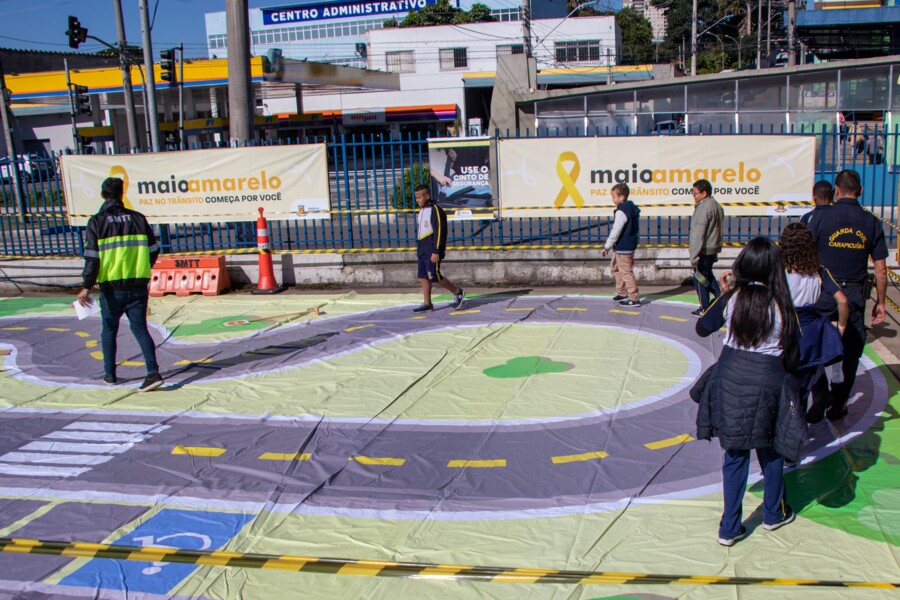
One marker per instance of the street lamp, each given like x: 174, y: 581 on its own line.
x: 695, y: 36
x: 736, y: 43
x: 721, y: 44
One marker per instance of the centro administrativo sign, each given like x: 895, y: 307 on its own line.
x: 339, y: 10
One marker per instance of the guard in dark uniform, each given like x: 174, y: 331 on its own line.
x: 846, y: 236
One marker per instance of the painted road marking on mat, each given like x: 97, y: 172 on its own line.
x: 165, y: 533
x: 561, y: 460
x: 198, y: 451
x: 476, y: 464
x: 416, y: 318
x: 383, y: 461
x: 192, y: 362
x: 572, y: 309
x: 668, y: 318
x: 673, y: 441
x: 76, y: 447
x: 82, y: 334
x: 285, y: 456
x: 31, y: 470
x: 178, y: 562
x: 94, y: 444
x: 356, y: 327
x: 472, y: 311
x: 91, y: 344
x: 13, y: 329
x: 58, y: 329
x: 517, y: 309
x: 625, y: 312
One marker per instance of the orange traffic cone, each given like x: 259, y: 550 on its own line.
x: 267, y: 283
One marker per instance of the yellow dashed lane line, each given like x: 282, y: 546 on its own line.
x: 57, y: 329
x: 356, y: 327
x: 517, y: 309
x: 82, y: 334
x: 668, y: 318
x: 465, y: 312
x: 476, y: 464
x: 373, y: 460
x: 285, y: 456
x: 198, y: 451
x: 91, y: 344
x: 572, y: 309
x: 13, y: 328
x: 673, y: 441
x: 561, y: 460
x: 625, y: 312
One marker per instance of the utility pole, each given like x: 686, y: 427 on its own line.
x: 759, y: 35
x: 792, y: 19
x: 75, y: 140
x: 694, y: 40
x: 181, y: 144
x: 125, y: 64
x: 526, y: 28
x: 768, y: 29
x: 240, y: 111
x: 18, y: 191
x: 149, y: 77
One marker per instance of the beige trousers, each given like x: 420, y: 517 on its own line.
x: 622, y: 266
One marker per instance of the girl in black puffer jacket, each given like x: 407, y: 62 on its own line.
x: 739, y: 395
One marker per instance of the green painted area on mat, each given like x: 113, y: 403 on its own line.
x: 523, y: 366
x: 218, y: 325
x: 19, y: 305
x: 855, y: 489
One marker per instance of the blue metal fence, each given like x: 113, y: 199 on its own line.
x: 367, y: 173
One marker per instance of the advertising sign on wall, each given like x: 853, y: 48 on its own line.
x: 228, y: 184
x: 567, y: 177
x: 461, y: 176
x: 304, y: 13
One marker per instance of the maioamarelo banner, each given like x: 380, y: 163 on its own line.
x: 226, y: 184
x: 567, y: 177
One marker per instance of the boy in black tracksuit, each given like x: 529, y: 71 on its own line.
x: 431, y: 229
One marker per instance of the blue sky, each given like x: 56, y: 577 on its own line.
x: 41, y: 24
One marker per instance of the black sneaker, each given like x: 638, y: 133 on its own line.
x: 698, y: 312
x: 627, y: 302
x: 815, y: 414
x: 459, y: 298
x: 733, y: 540
x: 151, y: 383
x: 836, y: 413
x: 788, y: 518
x: 423, y: 307
x: 619, y: 298
x: 110, y: 380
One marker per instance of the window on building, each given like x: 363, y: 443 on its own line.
x: 453, y: 59
x: 510, y: 49
x: 401, y: 62
x: 507, y: 14
x: 580, y: 51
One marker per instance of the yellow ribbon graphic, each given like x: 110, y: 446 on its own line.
x: 119, y: 171
x: 568, y: 180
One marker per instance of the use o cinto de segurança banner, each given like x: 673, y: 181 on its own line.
x: 460, y: 173
x: 195, y: 186
x: 750, y: 174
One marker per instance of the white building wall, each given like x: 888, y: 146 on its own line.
x: 431, y: 85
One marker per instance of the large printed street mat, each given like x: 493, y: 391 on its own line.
x: 339, y: 446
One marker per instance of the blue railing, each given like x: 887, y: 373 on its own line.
x: 367, y: 172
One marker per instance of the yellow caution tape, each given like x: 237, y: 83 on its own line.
x: 379, y: 568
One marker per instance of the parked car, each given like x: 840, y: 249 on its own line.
x: 668, y: 128
x: 25, y: 169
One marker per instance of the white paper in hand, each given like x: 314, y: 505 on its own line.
x: 82, y: 312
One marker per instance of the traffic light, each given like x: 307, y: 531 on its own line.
x: 77, y: 34
x: 82, y: 100
x: 167, y: 67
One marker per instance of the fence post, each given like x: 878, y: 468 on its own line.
x: 347, y: 189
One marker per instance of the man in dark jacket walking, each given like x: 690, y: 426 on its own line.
x: 119, y: 251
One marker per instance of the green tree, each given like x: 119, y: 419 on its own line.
x: 637, y: 37
x: 442, y: 13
